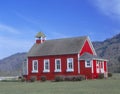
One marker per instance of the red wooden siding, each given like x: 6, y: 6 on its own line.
x: 105, y: 66
x: 95, y: 75
x: 86, y: 48
x: 85, y: 71
x: 50, y: 75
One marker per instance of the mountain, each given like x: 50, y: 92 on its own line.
x: 109, y: 49
x: 12, y: 65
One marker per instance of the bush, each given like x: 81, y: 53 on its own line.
x: 59, y: 78
x: 75, y: 78
x: 101, y: 76
x: 109, y: 74
x: 33, y: 78
x: 80, y: 78
x: 23, y: 79
x: 43, y: 78
x: 70, y: 78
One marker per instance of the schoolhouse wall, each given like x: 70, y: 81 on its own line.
x: 50, y: 75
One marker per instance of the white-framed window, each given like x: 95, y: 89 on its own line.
x: 25, y: 67
x: 46, y: 65
x: 87, y: 63
x: 34, y: 66
x: 57, y: 65
x: 70, y: 65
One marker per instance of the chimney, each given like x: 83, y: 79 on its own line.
x: 40, y: 38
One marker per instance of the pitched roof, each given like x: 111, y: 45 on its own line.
x: 89, y: 56
x: 58, y: 47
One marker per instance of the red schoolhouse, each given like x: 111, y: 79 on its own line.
x: 66, y: 56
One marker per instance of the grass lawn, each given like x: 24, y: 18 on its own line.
x: 105, y: 86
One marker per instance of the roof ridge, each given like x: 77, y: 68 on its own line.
x: 70, y: 38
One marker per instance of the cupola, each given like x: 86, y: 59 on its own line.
x: 40, y: 38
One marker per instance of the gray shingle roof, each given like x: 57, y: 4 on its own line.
x: 89, y: 56
x: 58, y: 47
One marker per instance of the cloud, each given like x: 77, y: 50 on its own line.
x: 108, y: 7
x: 9, y: 29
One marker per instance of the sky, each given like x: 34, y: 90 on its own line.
x: 20, y: 20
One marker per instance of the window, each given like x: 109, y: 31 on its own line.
x: 46, y: 65
x: 70, y: 65
x: 35, y: 66
x: 57, y: 65
x: 25, y: 67
x: 87, y: 63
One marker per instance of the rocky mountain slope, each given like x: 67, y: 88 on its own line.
x: 109, y: 49
x: 12, y: 65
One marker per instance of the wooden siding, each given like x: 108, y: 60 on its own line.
x: 86, y: 48
x: 50, y: 75
x: 85, y: 71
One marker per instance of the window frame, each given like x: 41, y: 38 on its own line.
x: 56, y: 69
x: 25, y: 67
x: 46, y: 61
x: 86, y: 63
x: 70, y: 68
x: 33, y: 66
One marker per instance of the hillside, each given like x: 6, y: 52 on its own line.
x: 12, y: 65
x: 109, y: 49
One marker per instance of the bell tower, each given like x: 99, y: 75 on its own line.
x: 40, y: 38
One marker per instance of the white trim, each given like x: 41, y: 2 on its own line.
x: 97, y: 59
x: 78, y: 64
x: 68, y: 68
x: 57, y: 70
x: 91, y: 46
x: 82, y: 46
x: 97, y: 66
x: 100, y: 59
x: 46, y: 61
x: 25, y: 67
x: 102, y: 69
x: 34, y: 70
x: 86, y: 65
x: 92, y: 66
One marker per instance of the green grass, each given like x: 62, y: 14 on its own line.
x: 105, y: 86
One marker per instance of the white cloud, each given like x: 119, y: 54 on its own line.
x: 108, y: 7
x: 9, y: 29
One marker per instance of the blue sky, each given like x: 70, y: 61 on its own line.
x: 20, y: 20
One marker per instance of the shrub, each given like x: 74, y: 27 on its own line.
x: 23, y: 79
x: 33, y: 78
x: 59, y: 78
x: 80, y: 78
x: 101, y: 76
x: 109, y: 74
x: 70, y: 78
x: 43, y: 78
x: 75, y: 78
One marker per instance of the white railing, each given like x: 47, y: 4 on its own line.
x: 9, y: 78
